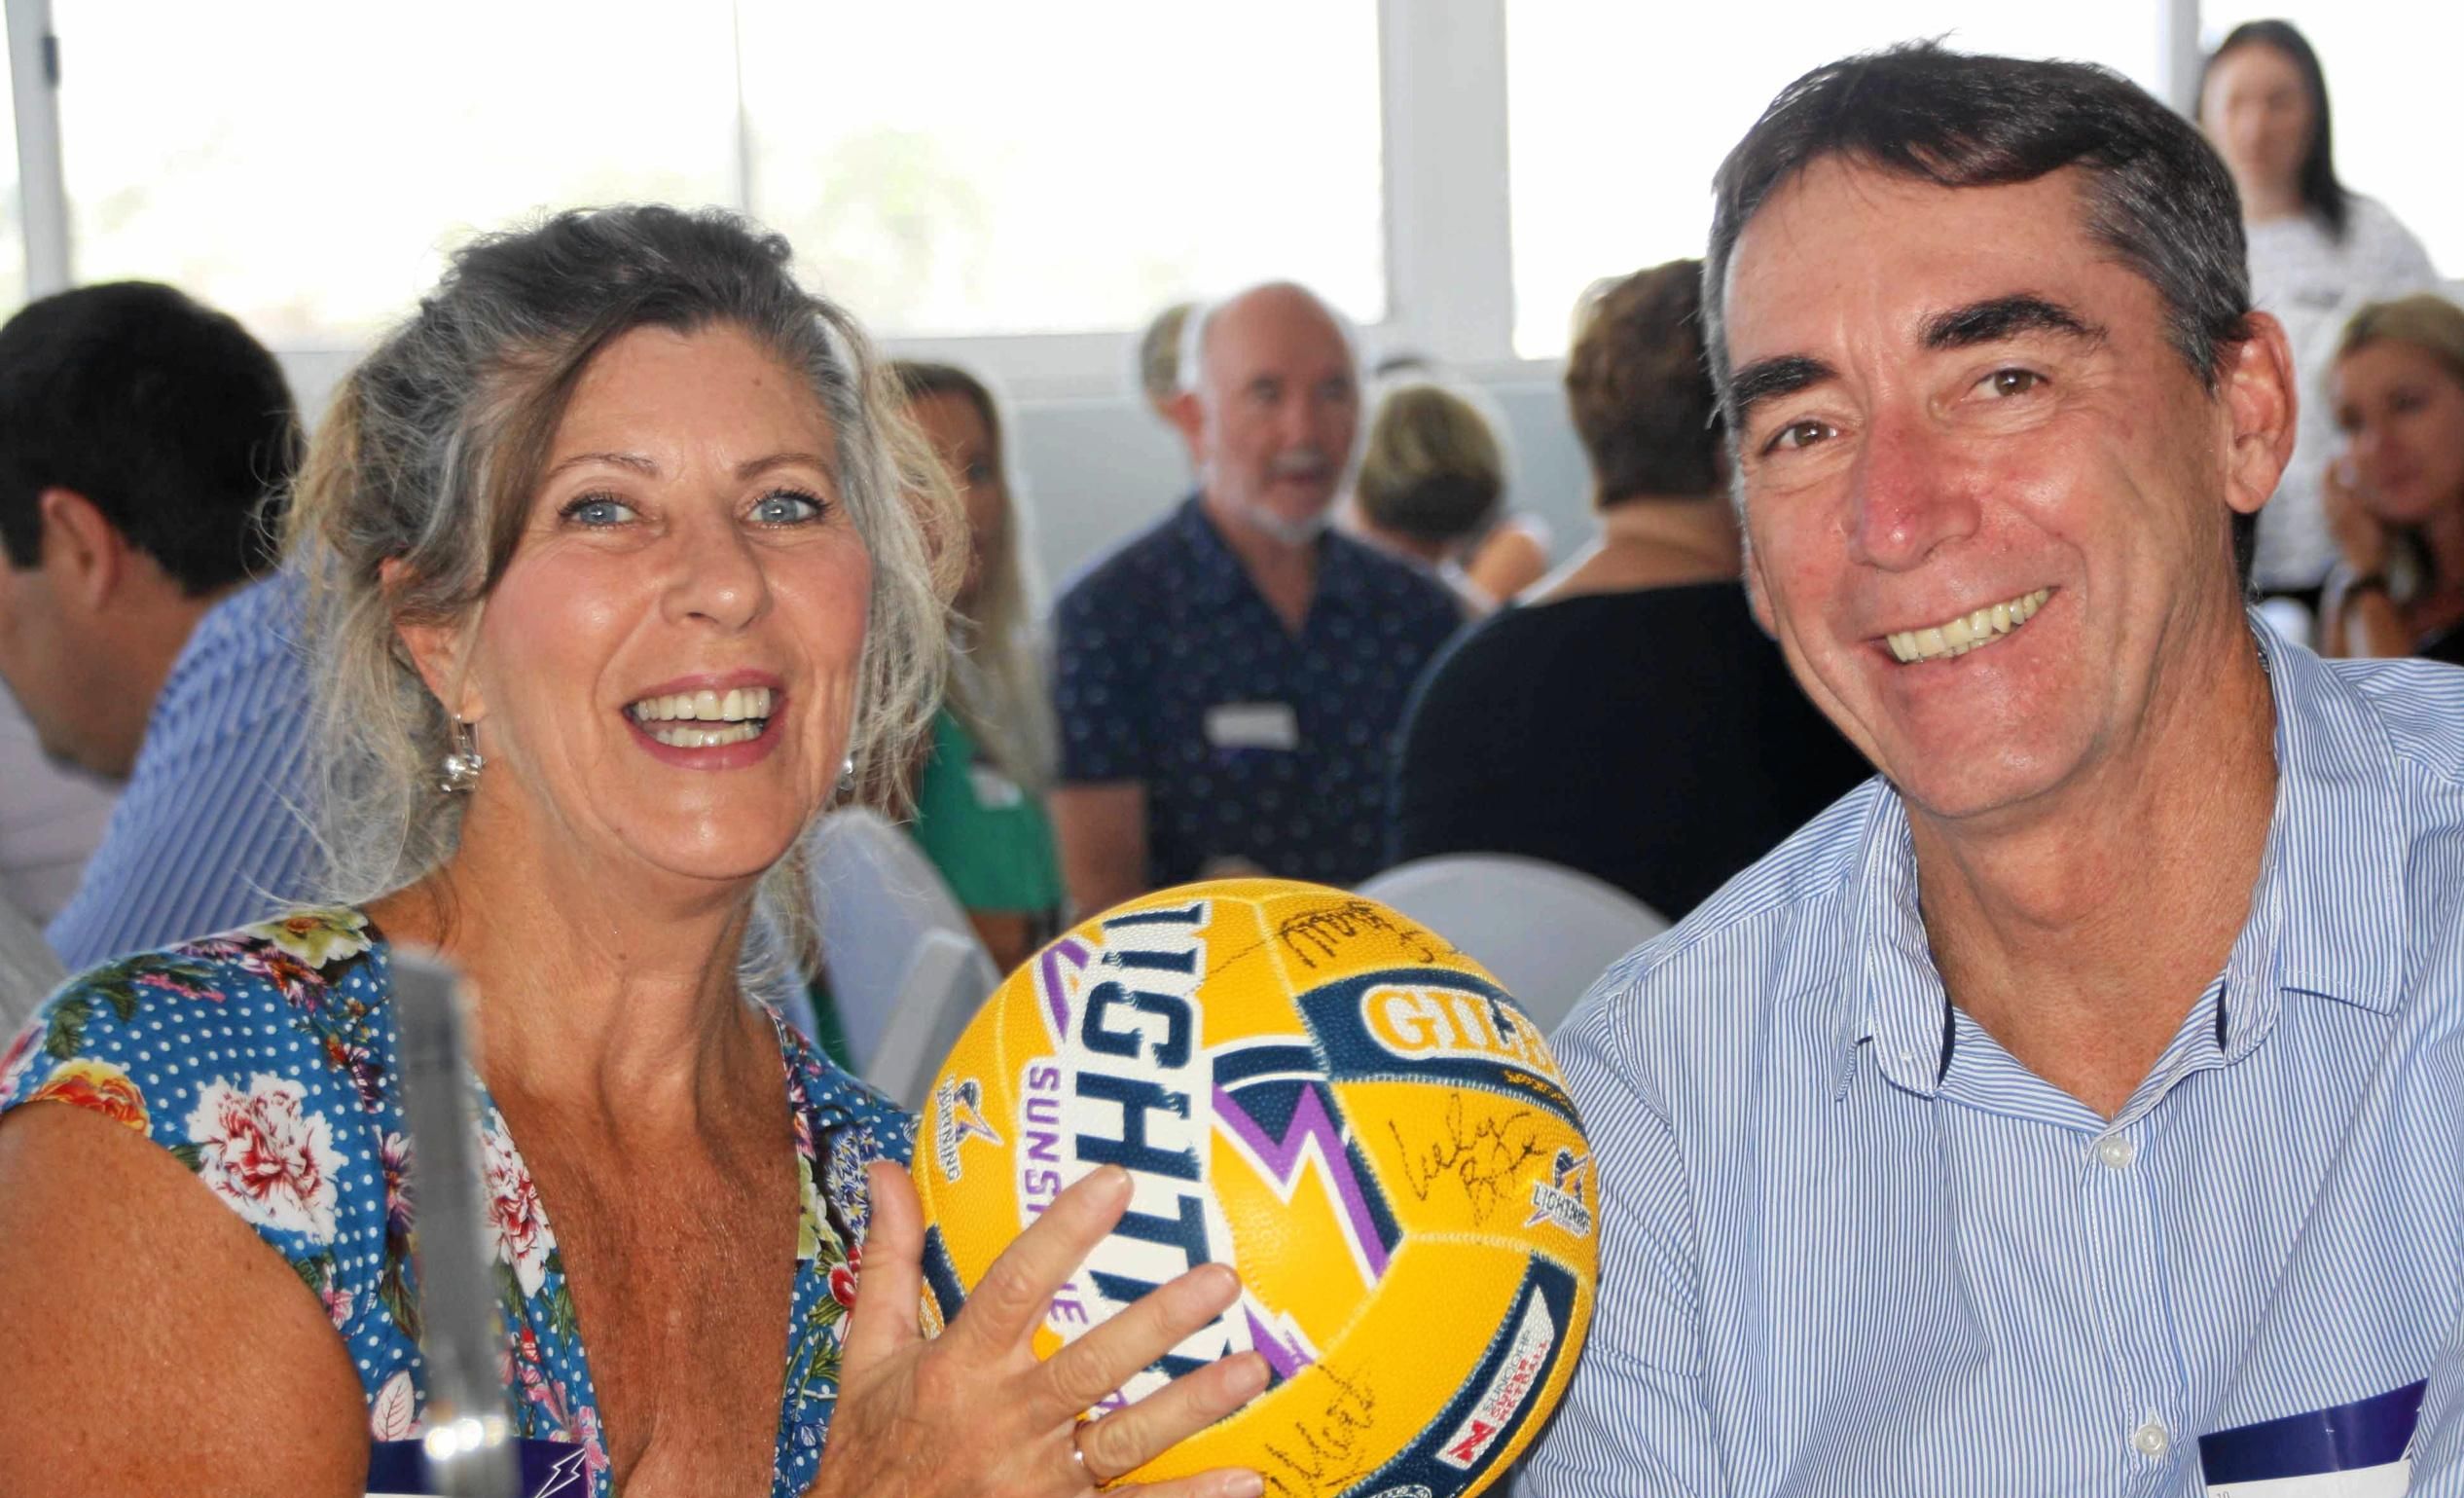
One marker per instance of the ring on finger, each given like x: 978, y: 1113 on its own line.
x: 1078, y: 1453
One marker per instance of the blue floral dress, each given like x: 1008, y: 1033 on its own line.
x: 264, y: 1061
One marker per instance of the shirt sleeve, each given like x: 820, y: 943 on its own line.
x: 1100, y: 692
x: 211, y: 832
x: 1635, y: 1420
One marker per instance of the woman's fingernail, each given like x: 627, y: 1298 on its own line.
x: 1248, y: 1376
x: 1208, y: 1288
x: 1242, y: 1484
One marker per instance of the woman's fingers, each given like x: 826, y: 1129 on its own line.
x: 892, y: 1283
x: 1009, y: 1302
x: 1104, y: 1358
x: 1127, y: 1439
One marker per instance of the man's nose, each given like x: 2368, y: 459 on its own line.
x: 1912, y: 496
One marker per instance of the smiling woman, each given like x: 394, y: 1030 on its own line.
x: 622, y: 569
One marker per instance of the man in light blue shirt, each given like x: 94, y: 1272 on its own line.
x: 146, y: 443
x: 2078, y: 1109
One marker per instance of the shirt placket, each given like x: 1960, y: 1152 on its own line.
x: 2121, y: 1226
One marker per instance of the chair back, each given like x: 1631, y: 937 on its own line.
x: 1545, y: 930
x: 880, y: 900
x: 28, y: 970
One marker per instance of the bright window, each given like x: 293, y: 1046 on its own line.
x: 977, y: 166
x: 2386, y: 65
x: 967, y: 168
x: 302, y: 164
x: 1618, y: 113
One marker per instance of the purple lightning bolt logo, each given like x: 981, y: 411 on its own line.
x: 1311, y: 1131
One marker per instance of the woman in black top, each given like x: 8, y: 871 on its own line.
x: 1628, y: 718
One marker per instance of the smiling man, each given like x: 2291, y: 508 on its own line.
x: 2076, y: 1106
x: 1228, y: 685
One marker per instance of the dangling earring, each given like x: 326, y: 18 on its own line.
x: 462, y: 762
x: 846, y: 777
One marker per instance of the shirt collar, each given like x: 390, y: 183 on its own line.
x: 1219, y: 577
x: 2327, y: 914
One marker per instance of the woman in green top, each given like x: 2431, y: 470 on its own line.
x: 980, y: 786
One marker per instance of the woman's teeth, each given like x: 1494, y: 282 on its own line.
x: 1968, y: 632
x: 734, y: 716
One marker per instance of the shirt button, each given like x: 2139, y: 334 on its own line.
x: 2117, y: 1152
x: 2152, y: 1441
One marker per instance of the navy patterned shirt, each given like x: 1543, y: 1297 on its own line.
x: 1173, y: 670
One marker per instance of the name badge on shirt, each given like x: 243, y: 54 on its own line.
x: 1256, y: 725
x: 994, y: 790
x: 2355, y: 1450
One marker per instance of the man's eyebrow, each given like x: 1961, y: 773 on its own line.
x: 1996, y: 318
x: 1767, y: 379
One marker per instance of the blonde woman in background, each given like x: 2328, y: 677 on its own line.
x: 2395, y: 495
x: 1431, y: 487
x: 980, y: 791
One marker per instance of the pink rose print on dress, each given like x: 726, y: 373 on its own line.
x: 272, y: 1162
x: 522, y: 1236
x: 842, y: 1276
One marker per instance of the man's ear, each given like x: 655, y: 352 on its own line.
x: 1188, y: 417
x: 84, y: 552
x: 439, y: 652
x: 2263, y: 398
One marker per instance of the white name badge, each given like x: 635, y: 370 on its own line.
x: 994, y: 790
x: 1258, y: 725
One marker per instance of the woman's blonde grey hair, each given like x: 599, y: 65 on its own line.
x: 2426, y: 320
x: 434, y: 445
x: 1434, y: 465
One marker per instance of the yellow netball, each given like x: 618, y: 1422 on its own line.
x: 1352, y: 1115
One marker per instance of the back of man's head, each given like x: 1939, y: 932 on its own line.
x: 1638, y: 388
x: 165, y: 415
x: 2155, y: 192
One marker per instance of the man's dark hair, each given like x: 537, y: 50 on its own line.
x: 2321, y: 193
x: 1639, y: 389
x: 2154, y: 193
x: 166, y: 414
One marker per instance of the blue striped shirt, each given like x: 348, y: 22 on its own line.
x: 210, y: 833
x: 1850, y: 1245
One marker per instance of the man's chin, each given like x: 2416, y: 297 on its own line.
x: 1290, y: 529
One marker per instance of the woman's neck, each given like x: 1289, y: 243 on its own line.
x: 2269, y: 202
x: 1651, y: 543
x: 625, y: 1004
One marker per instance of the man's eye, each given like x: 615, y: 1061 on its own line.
x: 598, y: 511
x: 2014, y: 381
x: 786, y: 507
x: 1798, y: 434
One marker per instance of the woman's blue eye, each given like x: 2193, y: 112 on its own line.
x: 598, y: 510
x: 786, y: 507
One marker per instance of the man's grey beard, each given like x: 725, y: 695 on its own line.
x: 1289, y: 533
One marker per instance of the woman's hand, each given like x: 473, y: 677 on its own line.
x: 2360, y: 535
x: 975, y: 1411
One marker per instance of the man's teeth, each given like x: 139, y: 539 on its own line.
x: 736, y: 715
x: 1968, y: 632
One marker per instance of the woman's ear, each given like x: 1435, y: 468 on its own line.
x: 439, y: 652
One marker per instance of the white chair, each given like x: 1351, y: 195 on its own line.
x: 1546, y: 932
x: 906, y: 968
x: 28, y: 970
